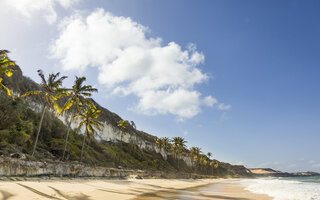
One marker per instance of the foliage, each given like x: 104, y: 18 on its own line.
x: 5, y: 64
x: 20, y: 117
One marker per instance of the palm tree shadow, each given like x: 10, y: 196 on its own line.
x: 38, y: 192
x: 69, y: 197
x: 6, y: 195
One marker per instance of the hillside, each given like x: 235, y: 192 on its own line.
x: 263, y: 172
x: 19, y: 119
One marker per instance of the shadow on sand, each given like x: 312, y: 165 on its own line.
x: 6, y: 195
x: 65, y: 196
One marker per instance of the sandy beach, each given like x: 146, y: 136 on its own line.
x: 125, y: 189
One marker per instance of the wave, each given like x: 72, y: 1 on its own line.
x: 284, y: 189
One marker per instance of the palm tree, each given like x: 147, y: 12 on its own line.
x: 51, y: 92
x: 209, y: 154
x: 195, y: 153
x: 5, y: 62
x: 166, y: 143
x: 123, y: 124
x: 163, y: 144
x: 159, y: 143
x: 178, y: 147
x: 203, y: 160
x: 88, y: 119
x: 76, y: 96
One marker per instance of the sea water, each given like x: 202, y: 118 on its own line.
x: 297, y: 188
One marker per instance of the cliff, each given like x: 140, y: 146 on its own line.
x: 137, y: 150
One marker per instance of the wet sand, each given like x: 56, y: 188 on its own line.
x: 224, y: 190
x: 125, y: 189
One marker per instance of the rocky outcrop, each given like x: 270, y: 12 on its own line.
x: 20, y: 167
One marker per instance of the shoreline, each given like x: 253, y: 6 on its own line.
x: 220, y: 190
x: 138, y: 189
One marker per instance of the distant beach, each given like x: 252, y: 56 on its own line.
x: 126, y: 189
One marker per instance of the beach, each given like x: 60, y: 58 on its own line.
x: 81, y: 189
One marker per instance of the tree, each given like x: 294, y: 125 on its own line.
x: 5, y: 64
x: 203, y: 160
x: 77, y: 95
x: 163, y: 143
x: 178, y: 146
x: 133, y: 125
x: 209, y: 154
x: 51, y: 92
x: 123, y: 124
x: 214, y: 165
x: 195, y: 153
x: 88, y: 119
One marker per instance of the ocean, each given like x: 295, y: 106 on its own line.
x: 297, y: 188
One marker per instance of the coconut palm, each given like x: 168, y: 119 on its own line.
x: 88, y: 119
x: 159, y: 143
x: 51, y: 92
x: 163, y: 143
x: 77, y: 95
x: 178, y: 146
x: 203, y: 160
x: 209, y: 154
x: 213, y: 165
x: 5, y: 62
x: 123, y: 124
x: 195, y: 153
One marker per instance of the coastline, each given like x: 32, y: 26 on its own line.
x: 125, y: 189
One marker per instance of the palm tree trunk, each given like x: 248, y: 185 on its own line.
x: 39, y: 128
x: 83, y: 142
x: 66, y: 140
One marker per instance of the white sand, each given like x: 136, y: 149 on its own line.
x: 90, y: 189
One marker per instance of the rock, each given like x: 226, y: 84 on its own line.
x: 18, y: 155
x: 139, y: 177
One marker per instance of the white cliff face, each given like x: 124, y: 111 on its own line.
x: 112, y: 133
x: 108, y: 132
x: 187, y: 160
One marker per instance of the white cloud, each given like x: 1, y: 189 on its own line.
x: 46, y: 7
x: 222, y: 106
x: 130, y: 63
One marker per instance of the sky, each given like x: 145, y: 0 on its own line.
x: 237, y: 78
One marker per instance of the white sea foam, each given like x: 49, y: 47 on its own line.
x: 283, y: 189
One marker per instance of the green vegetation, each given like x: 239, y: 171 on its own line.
x: 23, y: 130
x: 51, y: 92
x: 76, y: 96
x: 5, y: 64
x: 88, y: 119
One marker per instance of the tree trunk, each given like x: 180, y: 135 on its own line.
x: 83, y: 142
x: 66, y: 140
x: 39, y: 128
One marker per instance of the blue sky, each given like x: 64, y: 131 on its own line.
x: 243, y: 82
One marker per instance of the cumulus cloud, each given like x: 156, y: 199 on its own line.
x: 131, y: 63
x: 46, y: 7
